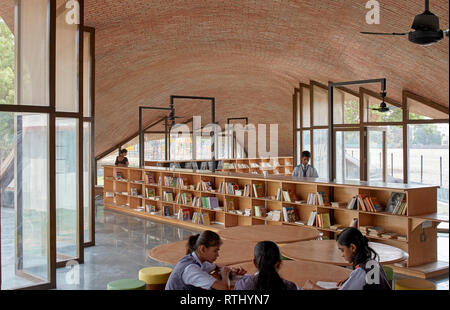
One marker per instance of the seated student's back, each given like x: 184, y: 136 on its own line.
x: 267, y: 259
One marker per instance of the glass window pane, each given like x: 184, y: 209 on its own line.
x: 299, y: 147
x: 24, y: 199
x: 393, y: 115
x: 7, y: 64
x: 345, y: 108
x: 320, y: 156
x: 320, y: 106
x: 428, y: 158
x: 107, y: 160
x: 204, y: 147
x: 66, y: 187
x: 181, y: 147
x: 347, y: 155
x: 66, y: 63
x: 297, y: 109
x: 154, y: 147
x: 418, y: 110
x: 87, y: 192
x: 306, y: 141
x: 87, y: 75
x: 306, y: 104
x: 33, y: 64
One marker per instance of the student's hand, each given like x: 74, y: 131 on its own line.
x: 225, y: 273
x: 239, y: 271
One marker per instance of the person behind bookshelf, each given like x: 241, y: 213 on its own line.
x: 367, y: 274
x: 305, y: 170
x: 122, y: 160
x: 267, y: 259
x: 193, y: 271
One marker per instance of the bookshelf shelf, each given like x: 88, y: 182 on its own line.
x: 278, y: 186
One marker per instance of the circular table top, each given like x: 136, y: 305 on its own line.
x: 326, y: 251
x: 231, y: 252
x: 299, y: 272
x: 275, y: 233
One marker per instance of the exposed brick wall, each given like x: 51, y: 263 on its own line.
x: 250, y: 55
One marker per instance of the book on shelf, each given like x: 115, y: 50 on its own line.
x: 351, y: 205
x: 402, y: 237
x: 254, y: 165
x: 150, y: 208
x: 300, y: 222
x: 210, y: 202
x: 167, y: 210
x: 260, y: 211
x: 168, y: 196
x: 394, y: 201
x: 274, y: 215
x: 109, y: 194
x: 258, y: 190
x: 229, y: 203
x: 312, y: 218
x: 336, y: 226
x: 150, y: 178
x: 279, y: 194
x: 286, y: 196
x: 289, y: 214
x: 248, y: 212
x: 149, y: 192
x: 318, y: 198
x: 375, y: 231
x: 324, y: 220
x: 400, y: 209
x: 389, y: 235
x: 159, y: 180
x: 335, y: 204
x: 205, y: 218
x: 228, y: 165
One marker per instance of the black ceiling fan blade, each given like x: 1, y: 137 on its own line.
x: 385, y: 33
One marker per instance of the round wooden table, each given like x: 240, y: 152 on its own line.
x: 326, y: 251
x: 299, y: 272
x: 231, y: 252
x: 275, y: 233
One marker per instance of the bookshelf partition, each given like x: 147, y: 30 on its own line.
x: 225, y: 200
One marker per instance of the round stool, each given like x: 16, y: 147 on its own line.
x: 390, y: 275
x: 155, y: 277
x: 126, y: 284
x: 414, y: 284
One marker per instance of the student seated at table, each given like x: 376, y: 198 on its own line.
x: 355, y: 250
x: 267, y: 259
x: 192, y: 272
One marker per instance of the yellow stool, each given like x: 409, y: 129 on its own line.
x: 414, y: 284
x: 155, y: 277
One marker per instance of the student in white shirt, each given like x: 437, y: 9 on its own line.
x: 305, y: 170
x: 367, y: 274
x: 193, y: 271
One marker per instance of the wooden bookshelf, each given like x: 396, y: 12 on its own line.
x: 273, y: 165
x: 419, y: 225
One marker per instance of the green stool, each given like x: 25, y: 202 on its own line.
x: 390, y: 275
x: 126, y: 284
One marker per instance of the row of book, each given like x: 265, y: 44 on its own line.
x: 317, y: 198
x: 242, y: 166
x: 204, y: 186
x: 228, y: 166
x: 381, y: 232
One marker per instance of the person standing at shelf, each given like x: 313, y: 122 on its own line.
x: 122, y: 160
x: 193, y: 271
x: 305, y: 170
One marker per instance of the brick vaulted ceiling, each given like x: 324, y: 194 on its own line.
x: 249, y: 55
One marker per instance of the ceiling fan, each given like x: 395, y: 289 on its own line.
x: 426, y: 26
x: 383, y: 107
